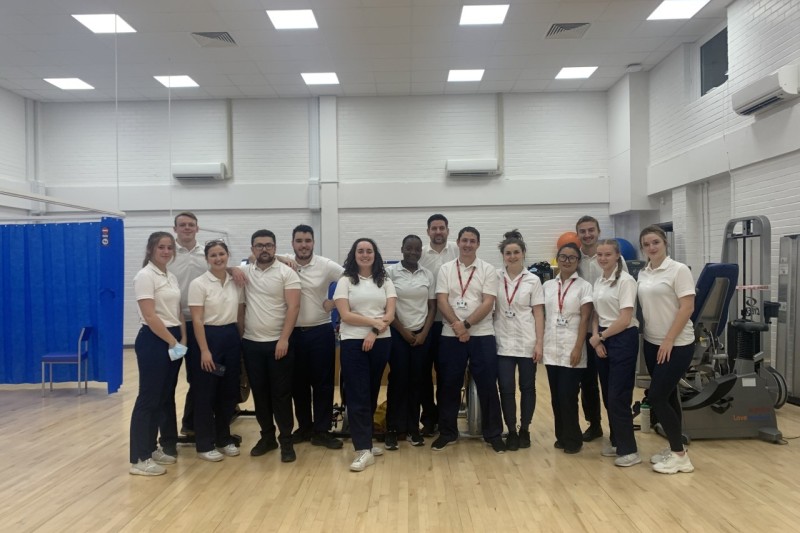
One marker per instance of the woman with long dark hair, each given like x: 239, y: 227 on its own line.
x: 365, y: 298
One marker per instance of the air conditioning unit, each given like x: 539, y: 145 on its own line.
x: 199, y: 171
x: 472, y: 168
x: 778, y: 87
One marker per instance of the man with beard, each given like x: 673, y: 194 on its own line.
x: 434, y: 254
x: 272, y: 303
x: 313, y: 342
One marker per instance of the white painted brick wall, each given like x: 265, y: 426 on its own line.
x: 12, y: 137
x: 718, y: 214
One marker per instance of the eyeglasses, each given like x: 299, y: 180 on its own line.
x: 564, y: 258
x: 264, y: 246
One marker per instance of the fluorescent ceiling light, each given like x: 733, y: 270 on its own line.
x: 677, y: 9
x: 465, y: 75
x: 174, y: 82
x: 320, y: 78
x: 105, y: 23
x: 574, y: 73
x: 474, y: 15
x: 292, y: 19
x: 69, y: 84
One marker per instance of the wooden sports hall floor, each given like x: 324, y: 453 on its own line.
x: 64, y: 467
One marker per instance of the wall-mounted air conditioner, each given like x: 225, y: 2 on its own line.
x: 472, y: 168
x: 199, y: 171
x: 778, y: 87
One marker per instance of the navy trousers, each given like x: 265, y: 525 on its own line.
x: 192, y: 349
x: 590, y: 391
x: 564, y: 384
x: 430, y: 412
x: 313, y: 382
x: 408, y: 370
x: 617, y: 373
x: 362, y: 373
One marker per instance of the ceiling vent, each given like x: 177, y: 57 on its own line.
x: 214, y: 39
x: 567, y: 30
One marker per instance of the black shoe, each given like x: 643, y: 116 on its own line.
x: 572, y: 450
x: 390, y: 442
x: 189, y: 432
x: 415, y: 439
x: 429, y: 430
x: 287, y: 454
x: 497, y: 445
x: 263, y: 446
x: 440, y: 443
x: 594, y: 432
x: 301, y: 435
x: 512, y: 441
x: 323, y: 438
x: 170, y: 450
x: 524, y: 438
x: 557, y: 445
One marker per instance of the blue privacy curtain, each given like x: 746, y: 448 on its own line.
x: 54, y: 279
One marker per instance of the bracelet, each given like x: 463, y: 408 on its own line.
x: 376, y: 331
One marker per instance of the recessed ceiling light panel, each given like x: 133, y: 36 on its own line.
x: 105, y: 23
x: 292, y: 19
x: 69, y: 84
x: 175, y: 82
x: 479, y: 15
x: 575, y: 73
x: 465, y: 75
x: 320, y: 78
x: 677, y: 9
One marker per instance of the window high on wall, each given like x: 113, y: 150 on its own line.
x: 714, y: 62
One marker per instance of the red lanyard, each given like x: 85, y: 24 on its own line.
x: 564, y: 297
x: 505, y: 285
x: 460, y: 282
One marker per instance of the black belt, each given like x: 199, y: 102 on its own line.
x: 309, y: 328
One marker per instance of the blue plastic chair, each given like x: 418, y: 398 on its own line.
x: 80, y: 357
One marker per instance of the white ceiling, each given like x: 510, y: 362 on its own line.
x: 377, y: 47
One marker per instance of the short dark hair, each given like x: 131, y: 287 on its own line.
x: 184, y: 214
x: 571, y: 246
x: 587, y: 218
x: 302, y: 228
x: 262, y: 233
x: 408, y: 238
x: 469, y: 229
x: 438, y: 216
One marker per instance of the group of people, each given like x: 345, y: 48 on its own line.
x: 440, y: 307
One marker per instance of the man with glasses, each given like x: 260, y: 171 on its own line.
x: 272, y: 304
x: 588, y: 230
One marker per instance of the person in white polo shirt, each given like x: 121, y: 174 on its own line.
x: 519, y: 330
x: 666, y: 294
x: 434, y: 254
x: 465, y: 292
x: 272, y: 303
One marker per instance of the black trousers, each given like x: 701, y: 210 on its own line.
x: 590, y: 390
x: 193, y: 349
x: 362, y: 373
x: 155, y: 385
x: 409, y: 368
x: 430, y: 412
x: 314, y: 371
x: 564, y: 384
x: 271, y: 385
x: 663, y: 393
x: 215, y: 397
x: 506, y: 379
x: 617, y: 373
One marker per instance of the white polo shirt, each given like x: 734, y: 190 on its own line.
x: 516, y: 335
x: 413, y: 289
x: 589, y: 270
x: 150, y: 283
x: 560, y: 340
x: 659, y: 292
x: 188, y: 264
x: 315, y: 278
x: 220, y: 299
x: 608, y: 300
x: 484, y: 281
x: 365, y: 299
x: 265, y: 310
x: 433, y: 260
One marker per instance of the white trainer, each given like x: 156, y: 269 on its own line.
x: 377, y: 451
x: 362, y: 460
x: 660, y: 456
x: 674, y: 463
x: 230, y: 450
x: 162, y: 458
x: 213, y: 455
x: 148, y: 467
x: 608, y: 449
x: 628, y: 460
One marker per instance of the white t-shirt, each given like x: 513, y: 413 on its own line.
x: 483, y: 281
x: 560, y: 340
x: 608, y: 300
x: 659, y: 292
x: 150, y: 283
x: 188, y: 264
x: 414, y: 289
x: 315, y: 278
x: 365, y: 299
x: 220, y: 299
x: 265, y: 300
x: 516, y: 335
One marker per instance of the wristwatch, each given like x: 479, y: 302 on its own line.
x: 467, y: 325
